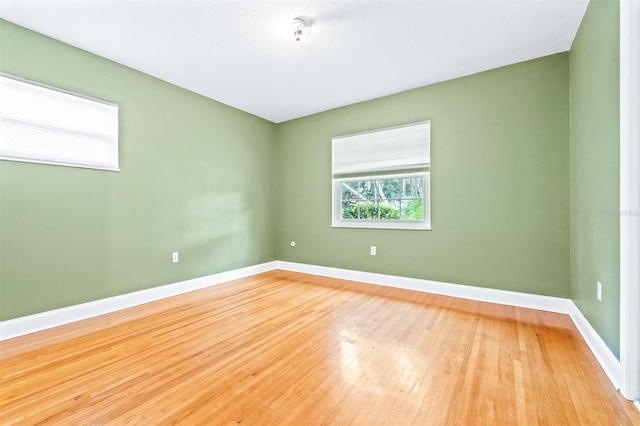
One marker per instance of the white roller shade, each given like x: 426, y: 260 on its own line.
x: 391, y: 149
x: 46, y: 125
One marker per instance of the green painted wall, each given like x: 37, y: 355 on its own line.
x: 500, y: 182
x: 198, y: 177
x: 595, y: 168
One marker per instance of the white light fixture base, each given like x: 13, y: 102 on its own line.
x: 300, y: 28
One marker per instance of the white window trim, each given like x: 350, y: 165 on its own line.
x: 421, y: 225
x: 407, y: 158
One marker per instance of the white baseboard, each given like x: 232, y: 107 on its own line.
x: 609, y: 363
x: 491, y: 295
x: 49, y: 319
x: 601, y: 351
x: 42, y: 321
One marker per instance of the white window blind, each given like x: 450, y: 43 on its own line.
x: 42, y: 124
x: 381, y: 179
x: 392, y: 149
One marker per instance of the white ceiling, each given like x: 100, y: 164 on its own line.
x: 242, y: 53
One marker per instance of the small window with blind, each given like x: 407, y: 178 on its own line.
x: 381, y: 178
x: 42, y: 124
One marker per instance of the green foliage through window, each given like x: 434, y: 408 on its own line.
x: 383, y: 199
x: 368, y: 211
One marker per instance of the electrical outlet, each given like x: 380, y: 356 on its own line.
x: 174, y: 257
x: 373, y: 250
x: 599, y: 290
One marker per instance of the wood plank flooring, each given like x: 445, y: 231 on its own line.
x: 284, y: 348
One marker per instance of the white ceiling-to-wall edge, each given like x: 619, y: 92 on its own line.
x: 243, y: 54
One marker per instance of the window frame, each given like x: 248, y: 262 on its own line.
x: 402, y: 151
x: 403, y: 224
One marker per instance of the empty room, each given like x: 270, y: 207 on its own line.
x: 320, y: 212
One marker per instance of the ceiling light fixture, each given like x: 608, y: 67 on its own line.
x: 299, y: 28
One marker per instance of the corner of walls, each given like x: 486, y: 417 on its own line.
x: 500, y: 183
x: 594, y: 169
x: 197, y: 177
x: 276, y: 196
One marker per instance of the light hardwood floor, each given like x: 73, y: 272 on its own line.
x: 284, y: 348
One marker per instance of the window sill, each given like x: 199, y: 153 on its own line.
x: 395, y: 227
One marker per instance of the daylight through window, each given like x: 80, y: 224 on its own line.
x: 381, y: 179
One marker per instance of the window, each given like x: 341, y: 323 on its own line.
x: 381, y: 179
x: 41, y: 124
